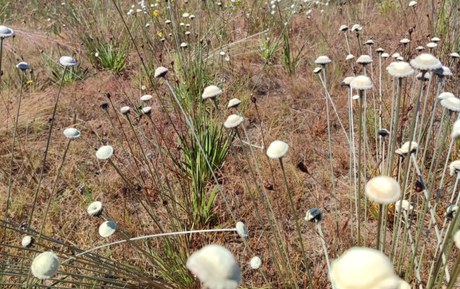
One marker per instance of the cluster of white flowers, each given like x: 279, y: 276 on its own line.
x: 140, y: 7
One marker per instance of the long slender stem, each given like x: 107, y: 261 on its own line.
x: 48, y: 142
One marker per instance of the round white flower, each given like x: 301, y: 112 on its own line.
x: 72, y: 133
x: 255, y: 262
x: 107, y: 228
x: 104, y: 152
x: 45, y: 265
x: 277, y: 149
x: 216, y: 267
x: 383, y: 190
x: 67, y: 61
x: 95, y: 208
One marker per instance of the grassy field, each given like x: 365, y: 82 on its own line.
x: 293, y: 134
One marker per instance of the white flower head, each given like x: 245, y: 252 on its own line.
x: 383, y: 190
x: 322, y: 60
x: 364, y: 59
x: 211, y: 91
x: 234, y: 102
x: 404, y: 41
x: 431, y: 45
x: 95, y: 209
x: 412, y: 3
x: 160, y: 72
x: 456, y: 130
x: 369, y: 42
x: 454, y: 167
x: 343, y: 28
x: 435, y: 39
x: 385, y: 55
x: 457, y: 239
x: 277, y: 149
x: 317, y: 70
x: 72, y: 133
x: 233, y: 121
x: 67, y: 61
x: 444, y: 95
x: 107, y: 228
x: 241, y: 229
x: 425, y: 61
x: 125, y: 110
x: 361, y: 82
x: 255, y: 262
x: 216, y: 267
x: 45, y: 265
x: 147, y: 110
x: 6, y: 32
x: 454, y: 55
x: 356, y: 28
x: 400, y: 69
x: 419, y: 48
x: 451, y: 103
x: 404, y: 149
x: 347, y: 80
x: 349, y: 57
x: 405, y: 205
x: 146, y: 97
x: 104, y: 152
x: 362, y: 268
x: 27, y: 241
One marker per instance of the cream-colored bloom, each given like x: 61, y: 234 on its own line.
x: 94, y: 209
x: 255, y: 262
x: 67, y: 61
x: 361, y: 82
x: 27, y: 241
x: 211, y: 91
x: 45, y: 265
x: 72, y: 133
x: 233, y: 121
x: 104, y: 152
x: 405, y: 205
x: 146, y: 97
x: 451, y: 103
x: 107, y: 228
x: 444, y: 95
x: 364, y: 59
x: 400, y: 69
x: 404, y: 149
x: 383, y: 190
x: 454, y: 167
x: 457, y: 239
x: 160, y: 72
x: 277, y: 149
x: 234, y: 102
x: 363, y: 268
x: 425, y: 61
x: 241, y: 229
x: 323, y: 60
x: 456, y: 130
x: 216, y: 267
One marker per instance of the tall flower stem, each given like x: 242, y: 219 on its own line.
x: 331, y: 162
x: 13, y: 146
x: 48, y: 142
x: 294, y: 212
x: 53, y: 190
x: 360, y: 143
